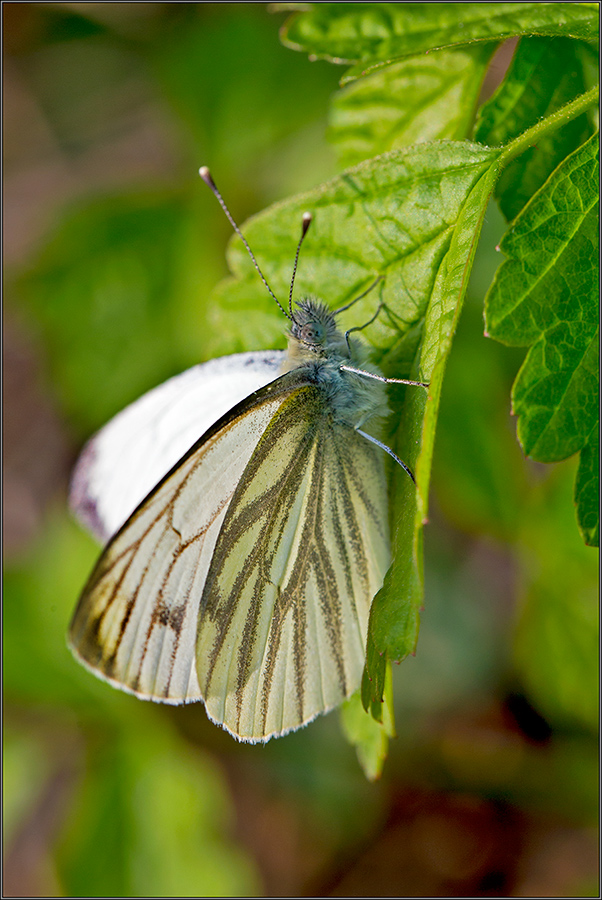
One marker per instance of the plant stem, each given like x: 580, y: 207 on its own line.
x: 548, y: 125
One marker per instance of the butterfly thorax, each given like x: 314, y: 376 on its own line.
x: 318, y: 348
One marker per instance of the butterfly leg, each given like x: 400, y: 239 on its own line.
x: 388, y: 450
x: 382, y: 377
x: 360, y: 297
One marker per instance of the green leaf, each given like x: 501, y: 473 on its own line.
x: 369, y: 736
x: 587, y: 490
x: 543, y: 76
x: 381, y: 32
x: 426, y: 98
x: 394, y: 616
x: 413, y: 217
x: 546, y: 295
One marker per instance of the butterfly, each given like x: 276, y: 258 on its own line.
x: 246, y: 516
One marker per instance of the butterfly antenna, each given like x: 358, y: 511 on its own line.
x: 206, y: 176
x: 305, y: 223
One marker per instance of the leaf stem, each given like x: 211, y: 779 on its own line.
x: 563, y: 115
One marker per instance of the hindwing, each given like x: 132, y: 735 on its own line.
x: 302, y: 550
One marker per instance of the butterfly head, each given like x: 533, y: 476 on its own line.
x: 313, y: 329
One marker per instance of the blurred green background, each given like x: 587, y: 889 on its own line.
x: 112, y: 246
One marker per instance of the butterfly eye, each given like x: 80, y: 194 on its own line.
x: 312, y: 333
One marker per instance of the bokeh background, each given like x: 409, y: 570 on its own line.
x: 112, y: 246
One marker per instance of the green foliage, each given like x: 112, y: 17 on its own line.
x: 546, y: 294
x: 370, y: 734
x: 543, y: 76
x: 377, y: 33
x: 542, y: 95
x: 423, y: 98
x: 133, y: 269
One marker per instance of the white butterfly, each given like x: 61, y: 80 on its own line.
x: 250, y: 531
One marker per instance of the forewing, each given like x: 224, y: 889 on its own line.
x: 136, y: 621
x: 123, y: 462
x: 302, y: 551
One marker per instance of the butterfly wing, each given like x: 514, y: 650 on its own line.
x: 136, y: 621
x: 123, y: 462
x: 302, y: 550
